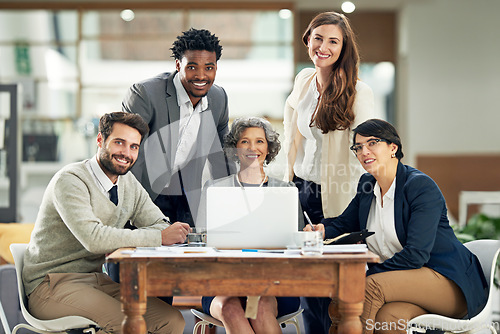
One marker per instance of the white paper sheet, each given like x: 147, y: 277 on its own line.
x: 356, y: 248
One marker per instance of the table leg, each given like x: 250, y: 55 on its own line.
x: 133, y: 296
x: 333, y: 311
x: 350, y: 298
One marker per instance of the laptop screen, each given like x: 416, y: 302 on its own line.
x: 260, y: 217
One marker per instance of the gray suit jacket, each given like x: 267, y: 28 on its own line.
x: 155, y: 100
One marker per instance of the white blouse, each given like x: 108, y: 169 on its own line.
x: 384, y: 242
x: 308, y: 160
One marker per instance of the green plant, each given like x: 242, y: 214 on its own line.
x: 480, y: 226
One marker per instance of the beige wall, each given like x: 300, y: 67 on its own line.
x: 449, y: 82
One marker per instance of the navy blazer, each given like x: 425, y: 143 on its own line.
x: 423, y: 230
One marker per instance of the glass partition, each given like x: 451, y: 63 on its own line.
x: 9, y: 153
x: 72, y: 66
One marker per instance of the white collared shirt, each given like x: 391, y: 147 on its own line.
x: 384, y: 242
x: 189, y: 124
x: 308, y: 160
x: 102, y: 180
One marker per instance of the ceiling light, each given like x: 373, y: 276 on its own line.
x: 348, y: 7
x: 127, y: 15
x: 285, y: 14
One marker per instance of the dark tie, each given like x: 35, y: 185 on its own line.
x: 113, y: 192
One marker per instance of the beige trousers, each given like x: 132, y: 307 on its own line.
x: 95, y: 296
x: 393, y: 298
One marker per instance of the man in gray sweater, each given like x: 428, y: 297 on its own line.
x: 82, y: 218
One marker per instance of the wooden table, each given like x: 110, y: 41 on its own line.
x: 338, y: 276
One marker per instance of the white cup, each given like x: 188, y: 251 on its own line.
x: 310, y: 242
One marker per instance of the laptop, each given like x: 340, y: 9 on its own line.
x: 251, y: 218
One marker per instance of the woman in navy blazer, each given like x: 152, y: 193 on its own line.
x: 424, y: 268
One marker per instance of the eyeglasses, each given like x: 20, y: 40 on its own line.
x: 370, y: 144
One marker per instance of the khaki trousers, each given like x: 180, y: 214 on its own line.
x: 96, y: 297
x: 393, y: 298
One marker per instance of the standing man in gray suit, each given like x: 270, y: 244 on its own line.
x: 188, y: 117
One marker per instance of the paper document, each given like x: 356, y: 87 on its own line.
x: 168, y: 251
x: 354, y: 248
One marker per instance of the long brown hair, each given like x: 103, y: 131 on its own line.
x: 335, y: 109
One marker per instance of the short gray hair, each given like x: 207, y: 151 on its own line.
x: 241, y: 124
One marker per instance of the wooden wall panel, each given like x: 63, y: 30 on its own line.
x: 456, y: 173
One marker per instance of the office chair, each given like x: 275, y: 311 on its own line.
x: 487, y: 252
x: 3, y: 319
x: 68, y: 324
x: 206, y: 320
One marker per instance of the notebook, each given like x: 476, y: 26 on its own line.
x: 260, y: 217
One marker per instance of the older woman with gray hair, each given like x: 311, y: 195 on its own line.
x: 252, y: 143
x: 240, y: 126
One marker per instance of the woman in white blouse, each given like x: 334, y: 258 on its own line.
x: 325, y: 104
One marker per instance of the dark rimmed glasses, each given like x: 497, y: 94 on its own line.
x: 370, y: 144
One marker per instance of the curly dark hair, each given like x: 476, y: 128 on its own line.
x: 196, y: 39
x: 241, y: 124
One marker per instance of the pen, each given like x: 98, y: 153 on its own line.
x: 309, y: 221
